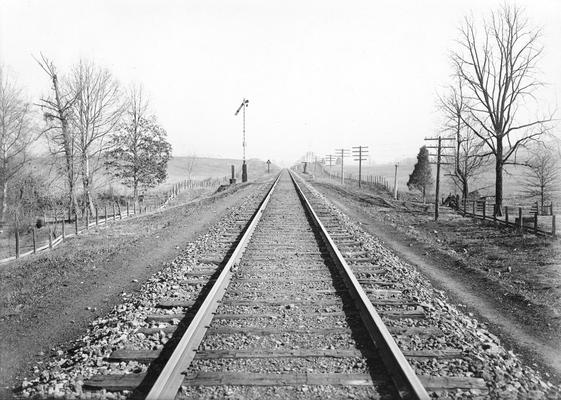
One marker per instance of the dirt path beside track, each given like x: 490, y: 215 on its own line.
x: 527, y: 327
x: 49, y: 299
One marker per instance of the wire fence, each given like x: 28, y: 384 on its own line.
x: 534, y: 218
x: 54, y: 225
x: 377, y: 181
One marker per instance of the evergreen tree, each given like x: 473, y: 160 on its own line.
x: 421, y: 177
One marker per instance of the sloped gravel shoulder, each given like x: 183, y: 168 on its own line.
x: 504, y: 373
x: 64, y: 375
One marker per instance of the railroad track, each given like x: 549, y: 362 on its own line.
x: 299, y: 310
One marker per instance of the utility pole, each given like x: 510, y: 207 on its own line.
x: 243, y: 106
x: 358, y: 153
x: 395, y: 182
x: 329, y: 159
x: 342, y: 153
x: 315, y: 162
x: 438, y: 163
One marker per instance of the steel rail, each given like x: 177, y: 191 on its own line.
x: 171, y: 377
x: 407, y: 382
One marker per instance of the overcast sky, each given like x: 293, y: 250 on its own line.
x: 319, y: 75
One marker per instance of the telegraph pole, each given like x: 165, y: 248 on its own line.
x: 330, y: 158
x: 358, y: 153
x: 395, y: 182
x: 315, y: 162
x: 342, y: 153
x: 242, y: 107
x: 438, y: 163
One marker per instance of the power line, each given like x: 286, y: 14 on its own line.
x: 438, y: 163
x: 330, y: 158
x: 358, y: 153
x: 342, y: 153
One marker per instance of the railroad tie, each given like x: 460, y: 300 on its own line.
x: 147, y: 356
x: 130, y: 382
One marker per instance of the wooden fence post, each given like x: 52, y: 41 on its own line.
x: 473, y: 208
x: 520, y: 223
x: 17, y: 236
x: 96, y: 217
x: 134, y: 208
x: 87, y: 218
x: 34, y: 240
x: 506, y: 214
x: 128, y: 214
x: 76, y: 222
x: 63, y: 228
x: 50, y: 238
x: 105, y: 213
x: 553, y: 230
x: 120, y: 213
x: 537, y: 207
x: 114, y: 214
x: 484, y: 209
x: 536, y: 223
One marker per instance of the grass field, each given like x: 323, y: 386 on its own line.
x: 178, y: 170
x: 202, y: 168
x: 485, y: 183
x: 205, y: 167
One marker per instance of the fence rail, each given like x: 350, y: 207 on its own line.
x: 54, y: 226
x: 378, y: 181
x: 535, y: 218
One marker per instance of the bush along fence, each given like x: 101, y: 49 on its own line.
x: 54, y: 226
x: 535, y: 219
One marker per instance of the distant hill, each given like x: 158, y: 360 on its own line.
x: 205, y: 167
x: 178, y: 170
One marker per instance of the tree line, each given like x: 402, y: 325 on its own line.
x: 89, y: 125
x: 485, y: 108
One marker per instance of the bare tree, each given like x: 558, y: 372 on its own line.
x: 95, y: 114
x: 16, y: 135
x: 542, y: 174
x: 469, y: 155
x: 57, y: 114
x: 498, y: 68
x: 190, y: 165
